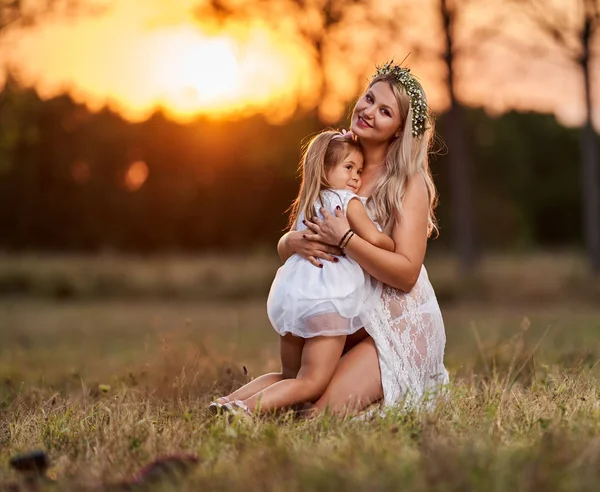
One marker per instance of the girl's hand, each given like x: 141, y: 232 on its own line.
x: 330, y: 230
x: 313, y: 251
x: 348, y: 134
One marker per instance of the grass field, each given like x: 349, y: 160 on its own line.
x: 107, y: 384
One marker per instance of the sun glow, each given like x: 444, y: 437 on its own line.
x: 193, y: 73
x: 140, y: 56
x: 145, y: 56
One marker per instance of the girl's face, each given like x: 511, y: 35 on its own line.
x: 345, y: 175
x: 376, y: 116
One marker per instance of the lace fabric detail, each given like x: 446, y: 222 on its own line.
x: 408, y: 331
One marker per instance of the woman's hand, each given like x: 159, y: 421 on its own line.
x: 330, y: 229
x: 313, y: 251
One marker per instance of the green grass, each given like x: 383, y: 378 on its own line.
x: 106, y: 385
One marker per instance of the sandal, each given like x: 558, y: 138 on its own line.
x: 216, y: 407
x: 237, y: 408
x: 239, y: 404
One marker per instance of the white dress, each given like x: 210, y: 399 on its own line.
x: 408, y: 331
x: 308, y: 301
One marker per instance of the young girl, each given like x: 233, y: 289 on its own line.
x: 314, y: 309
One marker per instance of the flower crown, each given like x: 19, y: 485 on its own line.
x: 414, y: 90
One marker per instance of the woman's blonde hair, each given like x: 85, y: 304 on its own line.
x: 406, y: 156
x: 320, y: 154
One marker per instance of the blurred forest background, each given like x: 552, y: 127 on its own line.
x: 83, y: 170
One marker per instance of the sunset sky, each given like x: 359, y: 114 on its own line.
x: 143, y: 54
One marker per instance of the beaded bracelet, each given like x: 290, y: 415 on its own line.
x: 347, y: 240
x: 344, y: 237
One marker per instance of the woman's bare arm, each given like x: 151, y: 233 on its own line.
x: 294, y: 242
x: 284, y: 249
x: 361, y: 224
x: 400, y: 268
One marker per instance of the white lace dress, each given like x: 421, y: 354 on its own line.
x: 408, y: 331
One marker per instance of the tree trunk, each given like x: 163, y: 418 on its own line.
x: 460, y: 162
x: 589, y: 166
x: 460, y: 183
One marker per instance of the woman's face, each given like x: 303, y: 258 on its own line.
x: 376, y: 116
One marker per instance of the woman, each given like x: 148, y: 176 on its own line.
x: 398, y: 357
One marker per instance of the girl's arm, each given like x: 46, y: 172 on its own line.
x: 362, y: 225
x: 293, y: 242
x: 400, y: 268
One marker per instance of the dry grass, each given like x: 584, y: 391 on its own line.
x: 106, y: 386
x: 486, y: 436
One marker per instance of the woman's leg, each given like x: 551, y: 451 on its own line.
x: 356, y: 382
x: 355, y: 339
x: 290, y: 349
x: 320, y: 356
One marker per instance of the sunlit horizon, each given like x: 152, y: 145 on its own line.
x: 142, y: 57
x: 128, y: 61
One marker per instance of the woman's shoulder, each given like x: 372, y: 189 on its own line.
x: 413, y: 200
x: 416, y: 191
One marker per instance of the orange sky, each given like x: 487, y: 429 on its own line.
x: 144, y: 54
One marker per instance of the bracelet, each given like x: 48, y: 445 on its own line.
x: 344, y: 237
x: 347, y: 240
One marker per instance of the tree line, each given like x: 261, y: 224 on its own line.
x: 81, y: 181
x: 570, y: 28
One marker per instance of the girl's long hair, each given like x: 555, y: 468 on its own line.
x: 406, y: 156
x: 320, y: 154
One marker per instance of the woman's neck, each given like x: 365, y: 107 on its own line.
x: 373, y: 167
x: 374, y: 155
